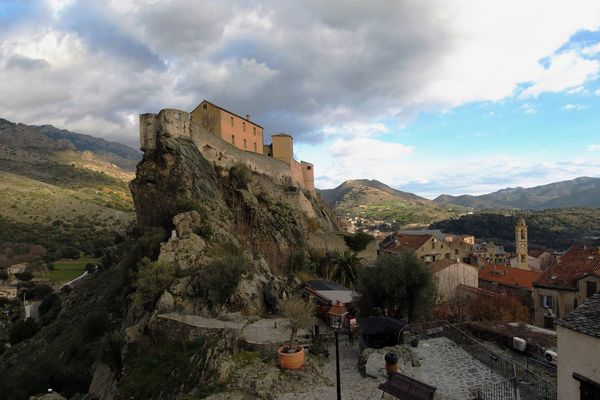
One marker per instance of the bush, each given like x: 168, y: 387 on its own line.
x: 49, y: 308
x: 95, y: 325
x: 240, y: 175
x: 90, y: 268
x: 359, y: 241
x: 111, y: 346
x: 23, y: 330
x: 24, y: 276
x: 300, y: 313
x: 3, y: 275
x: 153, y: 278
x: 220, y: 278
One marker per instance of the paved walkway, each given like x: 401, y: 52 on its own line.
x: 201, y: 322
x: 354, y: 386
x: 452, y: 370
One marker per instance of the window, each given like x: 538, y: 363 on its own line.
x: 244, y: 144
x: 205, y: 106
x: 546, y: 301
x: 244, y: 126
x: 455, y: 251
x: 522, y: 258
x: 233, y: 140
x: 254, y: 129
x: 522, y: 234
x: 255, y: 147
x: 309, y: 168
x: 591, y: 289
x: 231, y: 120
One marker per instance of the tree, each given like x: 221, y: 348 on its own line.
x: 359, y: 241
x: 345, y: 268
x: 152, y: 279
x: 399, y: 286
x: 301, y: 315
x: 23, y: 330
x: 24, y: 276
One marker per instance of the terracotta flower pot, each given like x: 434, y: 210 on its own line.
x: 291, y: 360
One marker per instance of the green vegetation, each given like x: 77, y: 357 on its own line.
x: 65, y: 270
x: 359, y: 241
x: 163, y: 368
x: 556, y: 228
x: 398, y: 286
x: 301, y: 315
x: 23, y: 330
x: 220, y: 278
x: 240, y: 175
x: 152, y: 279
x: 401, y: 212
x: 344, y: 268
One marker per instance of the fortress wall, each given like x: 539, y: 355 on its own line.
x: 149, y: 127
x: 308, y: 173
x: 174, y: 123
x: 226, y: 155
x: 296, y: 169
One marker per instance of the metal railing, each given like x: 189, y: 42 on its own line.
x: 506, y: 389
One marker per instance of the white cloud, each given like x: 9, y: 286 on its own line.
x: 567, y: 70
x: 355, y: 129
x: 528, y: 108
x: 573, y: 107
x: 593, y: 147
x: 597, y: 92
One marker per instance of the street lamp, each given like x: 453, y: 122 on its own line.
x: 337, y: 316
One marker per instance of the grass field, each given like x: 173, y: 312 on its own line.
x: 65, y: 270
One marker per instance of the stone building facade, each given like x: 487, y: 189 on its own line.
x: 521, y: 243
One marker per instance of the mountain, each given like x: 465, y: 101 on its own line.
x: 375, y: 201
x: 61, y: 189
x: 579, y: 192
x: 367, y: 191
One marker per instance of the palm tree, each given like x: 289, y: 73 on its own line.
x: 345, y: 268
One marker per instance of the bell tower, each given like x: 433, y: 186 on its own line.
x: 521, y: 243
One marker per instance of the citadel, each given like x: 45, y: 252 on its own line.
x: 227, y: 138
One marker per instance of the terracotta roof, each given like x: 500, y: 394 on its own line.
x: 230, y: 112
x: 508, y: 276
x: 576, y: 263
x: 585, y: 318
x: 444, y: 263
x: 407, y: 242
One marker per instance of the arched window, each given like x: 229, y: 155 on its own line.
x: 522, y: 234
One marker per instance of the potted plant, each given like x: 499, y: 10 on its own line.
x: 300, y: 314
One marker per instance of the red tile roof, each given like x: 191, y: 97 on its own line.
x: 407, y: 242
x: 576, y: 263
x: 508, y: 276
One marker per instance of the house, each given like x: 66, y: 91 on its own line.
x: 565, y: 285
x: 327, y: 293
x: 532, y: 263
x: 426, y: 247
x: 16, y: 268
x: 490, y: 253
x: 468, y: 239
x: 578, y: 362
x: 450, y: 275
x: 228, y: 126
x: 514, y: 282
x: 379, y: 332
x: 459, y: 248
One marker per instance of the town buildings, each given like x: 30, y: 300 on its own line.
x: 565, y: 285
x: 426, y: 247
x: 521, y: 243
x: 514, y: 282
x: 578, y: 335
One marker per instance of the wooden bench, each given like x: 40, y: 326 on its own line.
x: 407, y: 388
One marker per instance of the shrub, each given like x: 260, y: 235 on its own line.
x: 23, y: 330
x: 95, y: 325
x: 221, y: 277
x: 24, y: 276
x: 111, y: 346
x: 359, y: 241
x: 3, y: 275
x: 49, y: 308
x: 153, y: 278
x: 185, y: 205
x: 90, y: 268
x: 240, y: 175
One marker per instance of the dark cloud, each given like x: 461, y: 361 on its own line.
x: 22, y: 62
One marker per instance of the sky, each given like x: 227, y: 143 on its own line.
x: 430, y: 97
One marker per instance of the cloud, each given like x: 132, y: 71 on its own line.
x: 528, y: 108
x: 593, y: 147
x: 573, y: 107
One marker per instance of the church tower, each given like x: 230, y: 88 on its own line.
x: 521, y: 243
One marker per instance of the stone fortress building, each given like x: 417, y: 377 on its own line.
x: 226, y: 138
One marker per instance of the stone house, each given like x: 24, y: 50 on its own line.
x: 578, y: 335
x: 8, y: 292
x: 426, y: 247
x: 490, y: 253
x: 565, y: 285
x: 514, y: 282
x: 450, y: 275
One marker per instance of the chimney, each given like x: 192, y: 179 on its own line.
x: 248, y: 117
